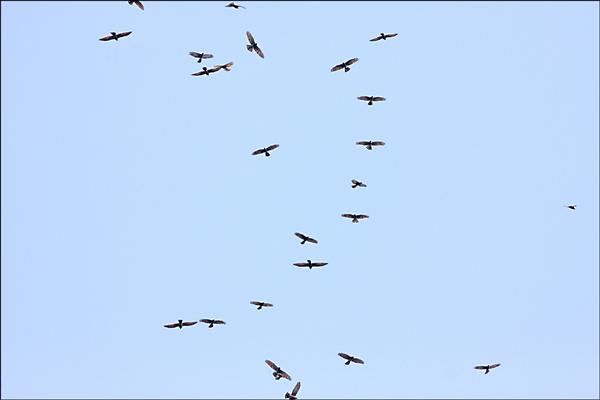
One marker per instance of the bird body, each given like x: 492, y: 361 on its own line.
x: 253, y: 45
x: 265, y: 150
x: 355, y: 217
x: 487, y: 367
x: 571, y: 206
x: 305, y: 238
x: 180, y: 324
x: 310, y: 264
x: 261, y: 304
x: 212, y: 322
x: 350, y: 359
x: 114, y: 36
x: 344, y: 65
x: 279, y: 373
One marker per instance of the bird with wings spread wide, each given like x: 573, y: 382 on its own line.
x: 265, y: 150
x: 279, y: 373
x: 310, y: 264
x: 345, y: 65
x: 180, y: 324
x: 487, y: 367
x: 355, y: 217
x: 212, y: 322
x: 371, y: 99
x: 253, y: 46
x: 261, y: 304
x: 383, y: 36
x: 350, y: 359
x: 369, y: 144
x: 114, y: 36
x: 305, y: 238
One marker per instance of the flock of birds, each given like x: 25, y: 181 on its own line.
x: 252, y: 46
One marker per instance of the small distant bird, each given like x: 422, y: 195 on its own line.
x: 571, y: 206
x: 206, y: 71
x: 200, y: 56
x: 310, y: 264
x: 344, y: 65
x: 305, y: 238
x: 279, y: 373
x: 180, y: 324
x: 371, y: 99
x: 294, y: 392
x: 261, y: 304
x: 355, y: 217
x: 236, y: 6
x: 212, y: 322
x: 265, y: 150
x: 350, y: 359
x: 383, y: 36
x: 370, y: 144
x: 487, y: 367
x: 226, y: 67
x: 137, y: 3
x: 356, y: 183
x: 253, y: 46
x: 114, y: 36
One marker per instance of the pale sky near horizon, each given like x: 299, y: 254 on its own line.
x: 130, y: 200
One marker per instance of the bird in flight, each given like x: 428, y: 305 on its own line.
x: 370, y: 144
x: 571, y: 206
x: 212, y: 322
x: 261, y: 304
x: 200, y: 56
x: 310, y: 264
x: 383, y: 36
x: 137, y: 3
x: 350, y: 359
x: 253, y: 45
x: 371, y: 99
x: 355, y: 217
x: 180, y: 324
x: 305, y: 238
x: 226, y: 67
x: 279, y: 373
x: 487, y: 367
x: 356, y: 183
x: 344, y: 65
x: 294, y: 392
x: 114, y: 36
x: 265, y: 150
x: 236, y: 6
x: 206, y: 71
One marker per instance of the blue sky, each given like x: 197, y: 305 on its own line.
x: 130, y: 200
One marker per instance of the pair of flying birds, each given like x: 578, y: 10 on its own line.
x: 180, y: 323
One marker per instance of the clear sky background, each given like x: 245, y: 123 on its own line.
x: 130, y: 200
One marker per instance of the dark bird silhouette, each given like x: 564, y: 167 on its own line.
x: 383, y: 36
x: 226, y: 67
x: 571, y: 206
x: 265, y: 150
x: 206, y: 71
x: 212, y: 322
x: 310, y: 264
x: 356, y: 183
x: 253, y: 45
x: 200, y: 56
x: 355, y: 217
x: 370, y: 144
x: 261, y: 304
x: 180, y: 324
x: 137, y: 3
x: 305, y: 238
x: 294, y: 393
x: 487, y: 367
x: 344, y: 65
x: 236, y: 6
x: 371, y: 99
x: 350, y: 359
x: 279, y: 373
x: 114, y: 36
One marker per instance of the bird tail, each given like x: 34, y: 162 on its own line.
x: 369, y: 147
x: 370, y: 102
x: 259, y: 307
x: 346, y: 69
x: 304, y: 241
x: 356, y: 221
x: 354, y: 185
x: 249, y: 48
x: 347, y: 362
x: 267, y: 154
x: 487, y: 371
x: 287, y: 395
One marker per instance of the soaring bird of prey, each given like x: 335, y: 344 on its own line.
x: 265, y: 150
x: 180, y: 324
x: 370, y: 144
x: 371, y: 99
x: 212, y: 322
x: 355, y: 217
x: 253, y: 45
x: 571, y: 206
x: 206, y: 71
x: 114, y: 36
x: 279, y: 373
x: 226, y: 67
x: 137, y: 3
x: 344, y: 65
x: 310, y: 264
x: 305, y: 238
x: 236, y: 6
x: 350, y: 359
x: 487, y: 367
x: 261, y: 304
x: 294, y: 393
x: 383, y: 36
x: 356, y: 183
x: 200, y: 56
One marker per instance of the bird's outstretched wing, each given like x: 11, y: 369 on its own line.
x: 481, y: 367
x: 351, y: 61
x: 355, y: 182
x: 250, y: 38
x: 309, y: 239
x: 494, y: 366
x: 301, y: 264
x: 189, y: 323
x: 259, y: 52
x: 226, y: 67
x: 214, y: 69
x: 344, y: 355
x: 123, y: 34
x: 203, y: 72
x: 172, y: 325
x: 377, y: 98
x: 256, y: 303
x: 377, y: 143
x: 301, y: 236
x: 272, y: 147
x: 363, y: 143
x: 197, y: 55
x: 285, y: 375
x: 348, y: 216
x: 207, y: 321
x: 296, y: 389
x: 337, y: 67
x: 365, y: 98
x: 137, y: 3
x: 219, y: 322
x: 259, y: 151
x: 375, y: 39
x: 389, y: 35
x: 106, y: 38
x: 319, y: 264
x: 267, y: 305
x: 361, y: 216
x: 357, y: 360
x: 272, y: 365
